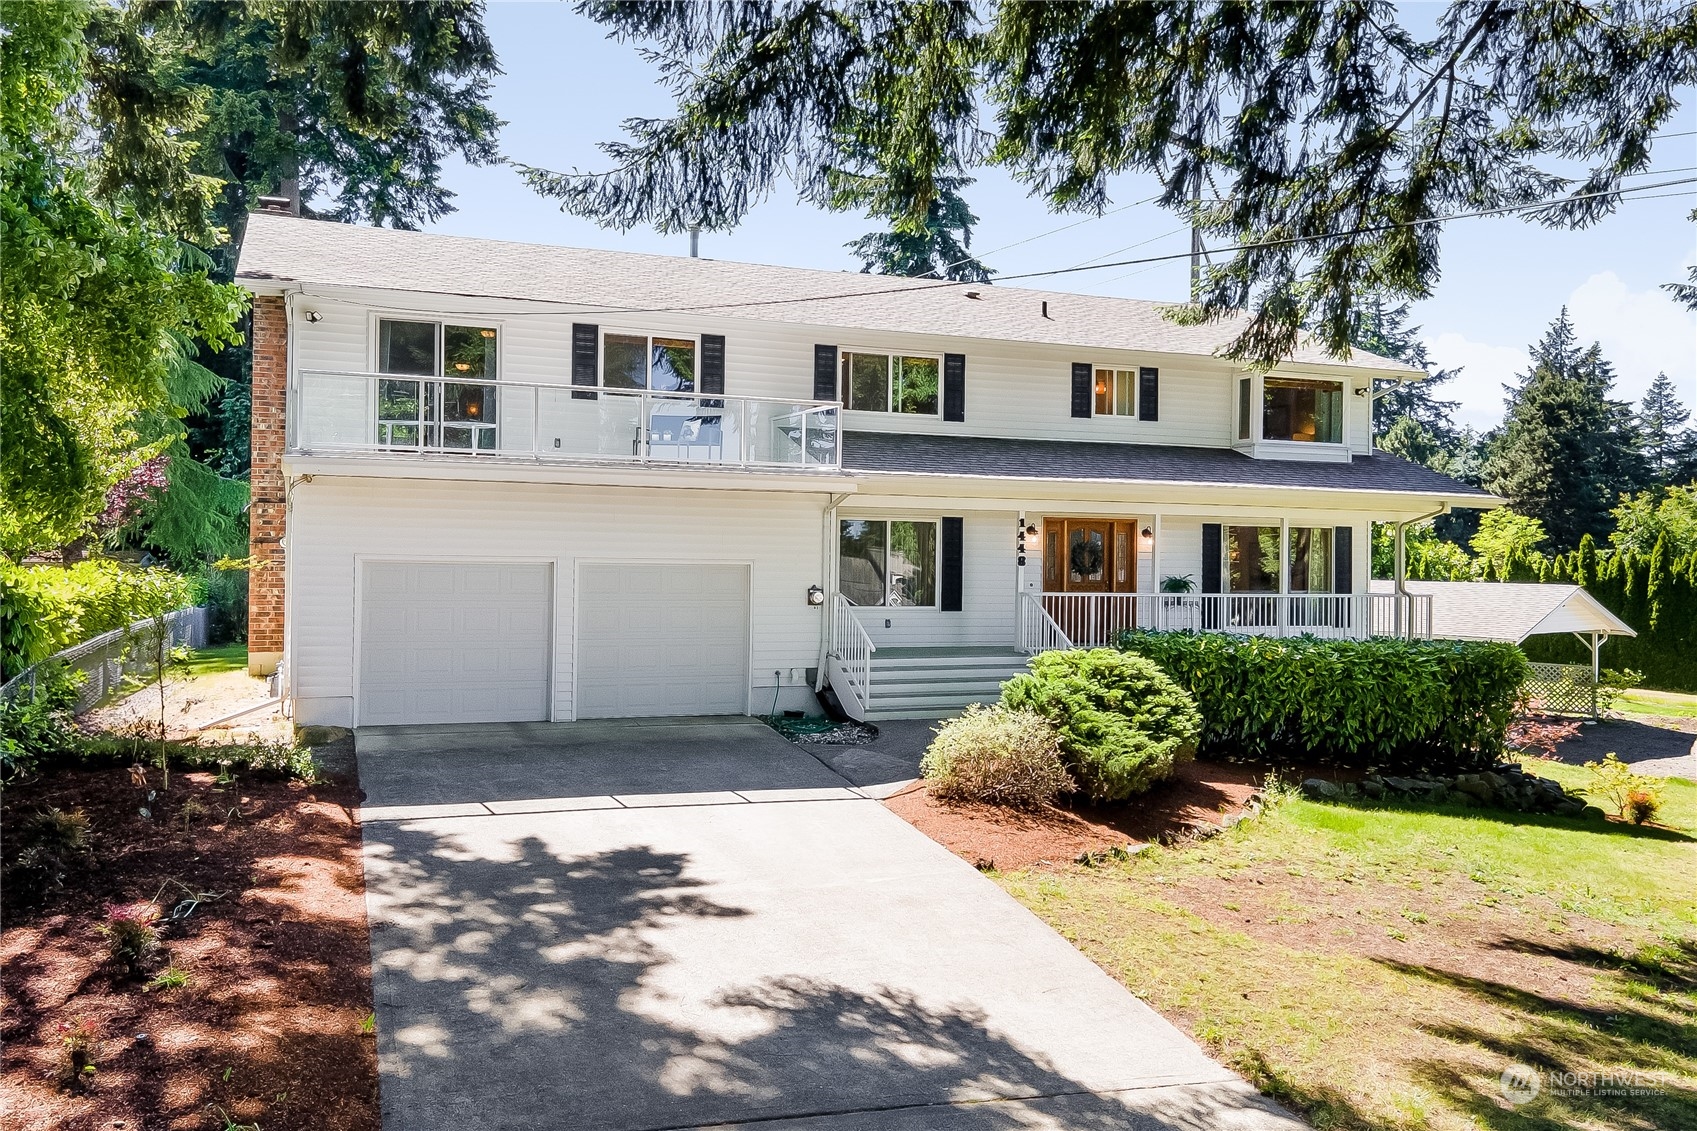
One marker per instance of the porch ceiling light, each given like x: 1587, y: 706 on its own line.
x: 815, y: 595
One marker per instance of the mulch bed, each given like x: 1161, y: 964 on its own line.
x: 1199, y: 793
x: 270, y: 1027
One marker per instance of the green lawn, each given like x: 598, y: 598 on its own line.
x: 1378, y: 967
x: 1669, y: 704
x: 222, y: 658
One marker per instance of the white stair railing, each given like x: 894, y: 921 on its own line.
x: 851, y: 656
x: 1037, y: 630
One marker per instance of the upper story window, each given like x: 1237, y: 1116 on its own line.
x: 1302, y: 410
x: 877, y: 382
x: 1116, y: 392
x: 641, y: 361
x: 445, y: 399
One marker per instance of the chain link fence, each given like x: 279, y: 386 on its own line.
x: 108, y: 657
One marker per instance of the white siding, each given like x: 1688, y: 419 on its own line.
x: 334, y: 522
x: 1012, y: 389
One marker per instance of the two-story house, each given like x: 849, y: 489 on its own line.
x: 502, y: 482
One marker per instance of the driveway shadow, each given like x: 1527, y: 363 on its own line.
x: 531, y: 991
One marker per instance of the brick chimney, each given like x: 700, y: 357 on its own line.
x: 267, y: 514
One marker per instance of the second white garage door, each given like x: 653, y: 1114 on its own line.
x: 661, y: 639
x: 454, y: 642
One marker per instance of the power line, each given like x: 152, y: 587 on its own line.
x: 915, y: 286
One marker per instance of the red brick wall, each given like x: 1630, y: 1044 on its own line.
x: 267, y: 515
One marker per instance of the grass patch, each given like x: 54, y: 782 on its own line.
x: 1379, y: 966
x: 217, y: 660
x: 1664, y: 704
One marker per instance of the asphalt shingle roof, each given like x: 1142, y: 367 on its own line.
x: 287, y: 249
x: 993, y: 458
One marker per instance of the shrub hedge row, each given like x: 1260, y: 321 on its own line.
x: 1438, y: 705
x: 47, y: 608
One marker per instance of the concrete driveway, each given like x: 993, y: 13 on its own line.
x: 689, y: 924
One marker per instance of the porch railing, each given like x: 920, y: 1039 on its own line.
x: 1037, y: 631
x: 389, y: 414
x: 1093, y: 620
x: 851, y: 654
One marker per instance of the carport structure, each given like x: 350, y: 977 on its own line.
x: 1512, y: 611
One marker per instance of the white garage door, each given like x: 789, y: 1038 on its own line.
x: 661, y: 639
x: 454, y: 642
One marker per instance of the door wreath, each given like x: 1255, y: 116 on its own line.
x: 1085, y: 558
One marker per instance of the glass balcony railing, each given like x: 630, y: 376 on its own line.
x: 379, y: 413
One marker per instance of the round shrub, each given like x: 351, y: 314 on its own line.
x: 1123, y: 724
x: 998, y: 756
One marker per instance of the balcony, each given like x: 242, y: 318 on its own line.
x: 379, y: 414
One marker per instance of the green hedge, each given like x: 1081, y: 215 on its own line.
x: 1123, y: 724
x: 1655, y: 593
x: 47, y: 608
x: 1441, y: 705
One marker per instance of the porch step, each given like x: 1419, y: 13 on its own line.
x: 930, y: 683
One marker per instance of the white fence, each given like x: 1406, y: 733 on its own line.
x: 1093, y: 620
x: 107, y: 657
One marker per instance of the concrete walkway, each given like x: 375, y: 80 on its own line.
x: 698, y: 924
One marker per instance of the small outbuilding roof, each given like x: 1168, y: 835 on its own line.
x: 286, y: 250
x: 1512, y: 610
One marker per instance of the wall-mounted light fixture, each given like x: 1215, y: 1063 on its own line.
x: 1361, y: 390
x: 1031, y: 531
x: 313, y: 316
x: 1148, y: 535
x: 815, y: 595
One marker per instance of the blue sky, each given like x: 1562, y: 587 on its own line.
x: 567, y: 87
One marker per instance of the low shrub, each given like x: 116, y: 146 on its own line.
x: 1123, y: 724
x: 81, y: 1042
x: 278, y: 759
x: 47, y: 608
x: 39, y: 724
x: 1635, y: 797
x: 997, y: 756
x: 131, y: 938
x: 1442, y: 706
x: 48, y: 845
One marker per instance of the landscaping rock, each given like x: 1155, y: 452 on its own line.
x: 1373, y: 789
x: 1592, y: 813
x: 1472, y: 786
x: 1319, y: 789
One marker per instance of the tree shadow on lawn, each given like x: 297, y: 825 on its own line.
x: 1514, y: 817
x: 535, y: 991
x: 1557, y: 1036
x: 1670, y: 964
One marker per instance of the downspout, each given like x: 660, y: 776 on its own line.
x: 828, y: 609
x: 1399, y: 568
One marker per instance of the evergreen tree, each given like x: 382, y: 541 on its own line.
x: 1670, y: 445
x: 935, y: 251
x: 1565, y: 453
x: 1384, y: 330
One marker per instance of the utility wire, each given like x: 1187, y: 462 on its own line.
x: 916, y: 286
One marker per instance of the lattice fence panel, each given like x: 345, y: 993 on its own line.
x: 1562, y: 689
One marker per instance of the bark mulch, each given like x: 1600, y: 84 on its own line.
x: 272, y: 1025
x: 1199, y: 793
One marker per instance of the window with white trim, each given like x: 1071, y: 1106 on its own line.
x: 1116, y: 392
x: 442, y: 393
x: 878, y: 382
x: 889, y: 562
x: 648, y: 361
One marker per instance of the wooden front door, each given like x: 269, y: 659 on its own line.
x: 1089, y: 555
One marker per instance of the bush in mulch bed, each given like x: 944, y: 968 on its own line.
x: 999, y: 757
x: 189, y: 949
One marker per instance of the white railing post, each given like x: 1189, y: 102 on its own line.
x: 851, y: 647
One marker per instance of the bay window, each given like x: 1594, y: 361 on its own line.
x: 1301, y: 410
x: 887, y: 562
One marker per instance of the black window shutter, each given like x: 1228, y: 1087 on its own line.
x: 824, y: 373
x: 1148, y: 393
x: 1343, y: 559
x: 586, y: 347
x: 1210, y: 557
x: 1081, y: 391
x: 712, y: 376
x: 954, y: 386
x: 949, y: 584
